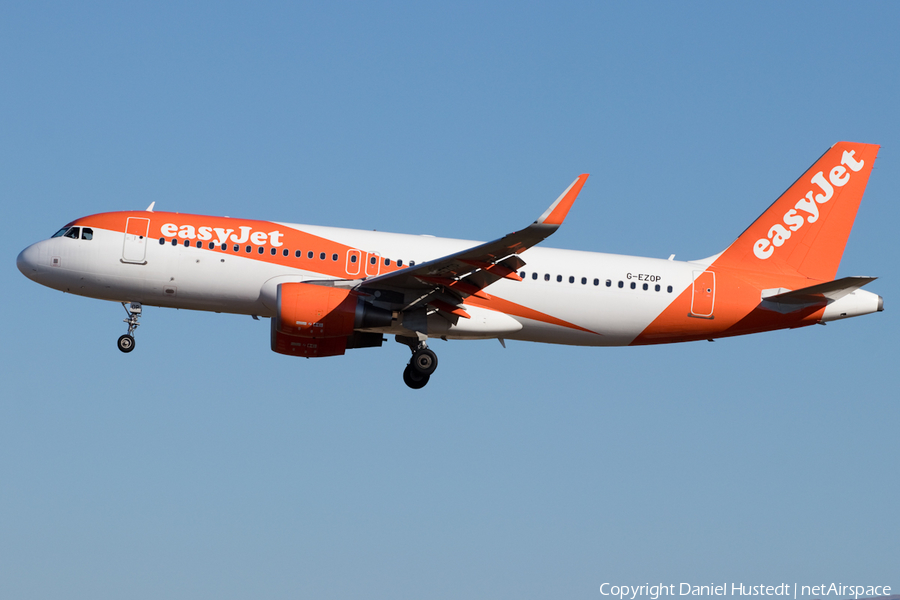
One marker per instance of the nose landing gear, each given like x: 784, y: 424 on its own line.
x: 422, y: 364
x: 126, y: 342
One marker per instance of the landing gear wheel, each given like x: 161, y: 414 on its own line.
x: 424, y: 361
x: 126, y: 343
x: 134, y: 310
x: 413, y: 379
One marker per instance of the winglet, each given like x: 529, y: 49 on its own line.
x: 556, y: 214
x: 150, y: 208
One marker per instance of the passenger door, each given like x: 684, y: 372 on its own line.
x: 134, y: 249
x: 704, y: 294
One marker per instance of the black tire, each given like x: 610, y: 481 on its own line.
x: 126, y: 343
x: 414, y: 379
x: 424, y: 361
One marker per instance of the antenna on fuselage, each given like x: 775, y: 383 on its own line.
x: 150, y: 208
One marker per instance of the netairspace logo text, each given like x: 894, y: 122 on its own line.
x: 654, y: 592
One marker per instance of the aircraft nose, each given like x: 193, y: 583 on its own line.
x: 27, y: 261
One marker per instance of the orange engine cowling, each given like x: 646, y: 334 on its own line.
x: 295, y: 345
x: 316, y: 311
x: 318, y: 320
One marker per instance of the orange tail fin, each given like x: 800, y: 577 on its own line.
x: 804, y: 231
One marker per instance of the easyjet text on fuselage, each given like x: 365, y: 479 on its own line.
x: 243, y: 234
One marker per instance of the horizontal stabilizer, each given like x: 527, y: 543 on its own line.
x: 822, y: 293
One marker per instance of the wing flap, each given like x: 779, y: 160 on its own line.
x: 449, y: 308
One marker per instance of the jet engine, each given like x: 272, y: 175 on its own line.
x: 317, y: 320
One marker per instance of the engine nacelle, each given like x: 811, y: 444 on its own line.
x: 315, y: 311
x: 318, y: 320
x: 295, y: 345
x: 320, y: 311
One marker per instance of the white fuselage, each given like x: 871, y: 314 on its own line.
x: 580, y: 288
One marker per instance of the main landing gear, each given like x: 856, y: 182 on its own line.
x: 422, y: 364
x: 126, y: 342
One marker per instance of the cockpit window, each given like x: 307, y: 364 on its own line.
x: 72, y: 233
x: 87, y: 233
x: 60, y: 233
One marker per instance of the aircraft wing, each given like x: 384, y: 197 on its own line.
x: 468, y: 272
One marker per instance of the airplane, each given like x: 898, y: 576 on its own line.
x: 327, y: 290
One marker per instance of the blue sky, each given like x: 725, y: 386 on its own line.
x: 205, y: 466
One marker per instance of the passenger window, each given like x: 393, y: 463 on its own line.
x: 309, y: 254
x: 162, y: 241
x: 261, y: 250
x: 596, y: 281
x: 234, y: 248
x: 298, y: 254
x: 372, y: 260
x: 174, y: 242
x: 187, y: 243
x: 248, y: 249
x: 571, y: 279
x: 621, y: 284
x: 273, y: 251
x: 669, y: 289
x: 633, y: 285
x: 559, y: 279
x: 72, y: 233
x: 412, y: 263
x: 609, y: 283
x: 353, y: 258
x: 584, y: 281
x: 645, y: 287
x: 212, y: 246
x: 321, y: 256
x: 546, y: 276
x: 387, y: 261
x: 285, y: 252
x: 657, y: 287
x: 534, y: 275
x: 199, y: 244
x: 87, y: 233
x: 334, y: 257
x: 225, y: 247
x: 399, y: 262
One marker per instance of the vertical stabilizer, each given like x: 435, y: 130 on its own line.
x: 804, y: 232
